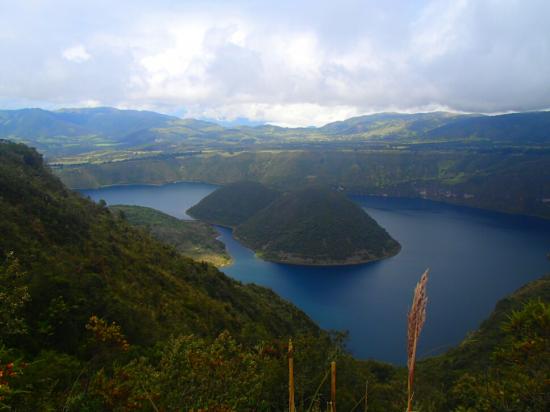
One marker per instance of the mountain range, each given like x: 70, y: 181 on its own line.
x: 77, y: 131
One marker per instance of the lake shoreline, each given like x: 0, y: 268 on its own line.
x: 484, y: 255
x: 350, y: 194
x: 307, y: 262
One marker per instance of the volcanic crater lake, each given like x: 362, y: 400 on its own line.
x: 476, y: 257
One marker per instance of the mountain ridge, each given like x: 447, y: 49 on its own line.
x: 82, y: 130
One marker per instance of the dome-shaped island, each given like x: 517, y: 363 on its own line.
x: 309, y: 226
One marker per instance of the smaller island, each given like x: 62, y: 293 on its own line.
x: 309, y: 226
x: 191, y: 238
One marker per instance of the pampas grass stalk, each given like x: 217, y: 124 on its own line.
x: 416, y: 319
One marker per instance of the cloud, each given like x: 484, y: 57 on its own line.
x: 76, y: 54
x: 289, y: 63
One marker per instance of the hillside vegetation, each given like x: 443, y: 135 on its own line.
x: 75, y: 260
x: 316, y: 226
x: 510, y: 182
x: 99, y: 316
x: 80, y: 259
x: 197, y: 240
x: 503, y: 366
x: 71, y: 132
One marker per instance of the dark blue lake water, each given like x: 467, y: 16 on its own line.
x: 476, y: 257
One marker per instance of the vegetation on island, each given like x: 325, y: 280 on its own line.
x: 233, y: 204
x: 312, y: 225
x: 97, y: 315
x: 192, y: 238
x: 315, y: 226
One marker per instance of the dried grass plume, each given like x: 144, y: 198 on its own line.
x: 416, y: 320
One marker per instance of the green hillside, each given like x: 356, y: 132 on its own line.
x: 514, y: 182
x: 191, y: 238
x: 81, y: 257
x: 316, y: 226
x: 392, y: 125
x: 233, y: 204
x: 76, y: 131
x: 86, y: 134
x: 516, y: 128
x: 503, y: 366
x: 80, y: 260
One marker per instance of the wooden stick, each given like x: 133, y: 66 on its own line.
x: 333, y: 385
x: 291, y: 406
x: 367, y: 396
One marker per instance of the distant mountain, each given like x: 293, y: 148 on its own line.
x: 516, y: 128
x: 111, y: 122
x: 79, y: 131
x: 37, y: 123
x: 108, y: 122
x: 69, y: 131
x: 233, y: 204
x: 389, y: 124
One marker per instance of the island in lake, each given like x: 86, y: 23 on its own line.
x: 309, y: 226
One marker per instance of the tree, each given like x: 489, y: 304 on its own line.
x: 14, y: 295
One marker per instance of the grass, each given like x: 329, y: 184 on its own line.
x: 415, y: 322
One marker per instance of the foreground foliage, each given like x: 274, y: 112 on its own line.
x: 503, y: 366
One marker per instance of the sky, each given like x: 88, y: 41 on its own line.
x: 291, y: 63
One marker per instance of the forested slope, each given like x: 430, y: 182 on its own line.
x: 316, y: 226
x: 80, y: 260
x: 515, y: 182
x: 194, y: 239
